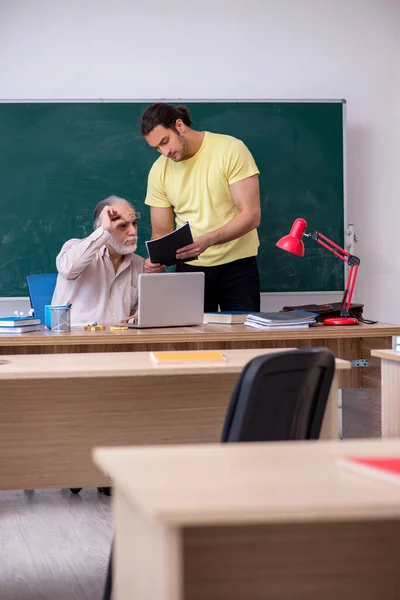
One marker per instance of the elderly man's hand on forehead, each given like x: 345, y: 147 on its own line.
x: 110, y: 219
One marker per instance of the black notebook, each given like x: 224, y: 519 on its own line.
x: 163, y: 249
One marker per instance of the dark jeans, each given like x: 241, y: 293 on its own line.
x: 232, y: 286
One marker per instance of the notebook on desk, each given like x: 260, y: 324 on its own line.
x: 170, y: 300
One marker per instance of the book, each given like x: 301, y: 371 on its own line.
x: 386, y: 468
x: 271, y: 319
x: 284, y: 317
x: 328, y: 310
x: 225, y: 317
x: 22, y: 329
x: 163, y: 250
x: 18, y: 321
x: 191, y: 356
x: 276, y: 327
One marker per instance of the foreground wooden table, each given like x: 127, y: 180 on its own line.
x: 277, y: 521
x: 54, y: 410
x: 390, y: 391
x: 348, y: 343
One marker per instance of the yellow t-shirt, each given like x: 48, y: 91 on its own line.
x: 198, y: 190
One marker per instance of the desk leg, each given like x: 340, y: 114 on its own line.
x: 330, y: 424
x: 390, y: 398
x: 147, y: 555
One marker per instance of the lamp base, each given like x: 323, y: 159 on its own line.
x: 341, y: 321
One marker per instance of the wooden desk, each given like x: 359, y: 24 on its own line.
x: 390, y: 391
x: 348, y: 343
x: 277, y: 521
x: 54, y: 410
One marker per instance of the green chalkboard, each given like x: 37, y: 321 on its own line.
x: 57, y: 160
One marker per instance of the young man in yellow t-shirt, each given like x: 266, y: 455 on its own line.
x: 210, y: 180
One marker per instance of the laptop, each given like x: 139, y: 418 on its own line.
x: 170, y: 300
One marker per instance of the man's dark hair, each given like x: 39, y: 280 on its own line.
x: 164, y: 114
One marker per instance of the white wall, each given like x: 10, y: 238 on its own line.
x: 219, y: 49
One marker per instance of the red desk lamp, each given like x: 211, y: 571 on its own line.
x: 293, y: 243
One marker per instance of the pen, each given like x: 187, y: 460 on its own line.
x: 126, y: 319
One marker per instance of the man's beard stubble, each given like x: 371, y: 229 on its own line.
x: 122, y: 247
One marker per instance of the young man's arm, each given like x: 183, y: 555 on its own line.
x: 246, y: 197
x: 162, y: 223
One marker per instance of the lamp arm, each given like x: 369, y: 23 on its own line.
x: 348, y: 293
x: 352, y: 260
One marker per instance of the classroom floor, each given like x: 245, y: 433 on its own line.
x: 55, y: 545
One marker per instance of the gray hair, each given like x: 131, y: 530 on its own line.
x: 110, y: 201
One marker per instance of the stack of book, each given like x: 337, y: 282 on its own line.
x: 295, y: 319
x: 18, y: 324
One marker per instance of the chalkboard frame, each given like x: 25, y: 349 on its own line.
x: 227, y: 101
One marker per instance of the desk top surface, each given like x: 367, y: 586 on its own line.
x: 124, y: 364
x: 200, y: 333
x: 244, y: 483
x: 386, y: 354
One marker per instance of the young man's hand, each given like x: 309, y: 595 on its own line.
x: 199, y: 245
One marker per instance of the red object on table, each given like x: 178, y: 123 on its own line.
x: 293, y: 243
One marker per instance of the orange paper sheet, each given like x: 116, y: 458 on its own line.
x: 203, y: 356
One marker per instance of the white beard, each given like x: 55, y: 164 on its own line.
x: 122, y: 248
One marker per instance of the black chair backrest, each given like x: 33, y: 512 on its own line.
x: 280, y: 397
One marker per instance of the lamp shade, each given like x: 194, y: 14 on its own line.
x: 293, y: 242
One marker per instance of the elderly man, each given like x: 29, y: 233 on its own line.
x: 99, y: 274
